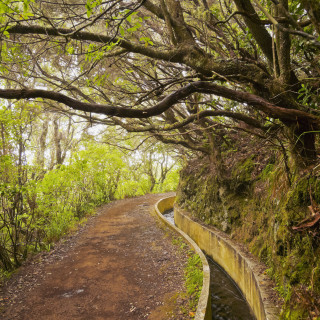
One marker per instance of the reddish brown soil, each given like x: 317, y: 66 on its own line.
x: 121, y: 265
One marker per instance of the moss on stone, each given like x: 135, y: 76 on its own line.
x: 300, y: 194
x: 260, y: 212
x: 241, y: 180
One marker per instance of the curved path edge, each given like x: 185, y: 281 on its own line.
x: 204, y: 307
x: 118, y: 265
x: 243, y: 268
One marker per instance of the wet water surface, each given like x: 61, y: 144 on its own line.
x: 227, y: 301
x: 169, y: 216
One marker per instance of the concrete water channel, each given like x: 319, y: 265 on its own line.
x: 227, y: 301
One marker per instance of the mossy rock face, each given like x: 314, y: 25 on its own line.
x: 295, y: 208
x: 246, y: 206
x: 302, y: 191
x: 241, y: 179
x: 198, y: 192
x: 219, y: 203
x: 281, y: 248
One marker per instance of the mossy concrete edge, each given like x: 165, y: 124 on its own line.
x: 248, y: 274
x: 204, y: 307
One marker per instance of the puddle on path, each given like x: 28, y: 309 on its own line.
x: 72, y: 293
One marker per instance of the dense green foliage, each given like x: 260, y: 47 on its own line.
x: 40, y: 204
x: 200, y: 69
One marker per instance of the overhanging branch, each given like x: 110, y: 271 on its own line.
x: 93, y: 37
x: 284, y: 114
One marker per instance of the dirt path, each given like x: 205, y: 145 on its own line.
x: 121, y: 265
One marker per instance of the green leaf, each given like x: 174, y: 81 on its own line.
x: 121, y: 29
x: 147, y: 41
x: 129, y: 18
x: 70, y: 49
x: 88, y: 8
x: 6, y: 34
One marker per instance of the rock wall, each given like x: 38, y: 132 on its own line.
x: 258, y: 207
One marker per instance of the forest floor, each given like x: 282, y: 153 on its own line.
x: 120, y: 265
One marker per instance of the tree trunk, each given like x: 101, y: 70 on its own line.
x: 303, y: 149
x: 313, y: 9
x: 216, y: 159
x: 57, y: 142
x: 42, y: 144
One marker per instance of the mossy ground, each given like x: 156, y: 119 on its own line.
x: 259, y: 207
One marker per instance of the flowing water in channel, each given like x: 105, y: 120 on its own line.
x: 227, y: 301
x: 169, y: 215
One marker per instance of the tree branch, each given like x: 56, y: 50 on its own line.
x: 258, y: 31
x: 190, y: 55
x: 280, y: 27
x: 284, y: 114
x: 94, y: 37
x: 132, y: 127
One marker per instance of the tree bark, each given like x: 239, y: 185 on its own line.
x: 57, y: 141
x: 42, y: 144
x: 303, y: 148
x: 258, y: 31
x: 313, y: 9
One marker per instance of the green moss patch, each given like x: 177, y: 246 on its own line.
x: 259, y: 210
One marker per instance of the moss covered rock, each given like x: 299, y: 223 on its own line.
x: 259, y: 210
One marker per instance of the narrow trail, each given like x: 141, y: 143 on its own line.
x: 121, y: 265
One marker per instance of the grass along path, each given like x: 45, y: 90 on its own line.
x: 120, y: 265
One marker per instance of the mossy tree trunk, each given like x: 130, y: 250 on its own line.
x: 303, y: 145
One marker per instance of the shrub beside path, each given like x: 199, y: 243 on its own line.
x: 120, y: 265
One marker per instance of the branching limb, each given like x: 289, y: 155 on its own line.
x: 285, y: 114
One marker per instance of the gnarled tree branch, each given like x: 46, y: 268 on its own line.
x: 284, y: 114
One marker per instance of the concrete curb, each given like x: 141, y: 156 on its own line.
x: 243, y: 268
x: 204, y: 307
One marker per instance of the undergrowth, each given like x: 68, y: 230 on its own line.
x: 193, y: 279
